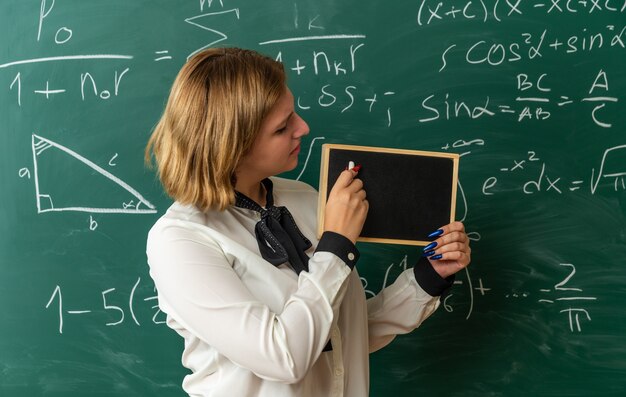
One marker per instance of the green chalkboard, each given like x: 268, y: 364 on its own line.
x: 530, y: 94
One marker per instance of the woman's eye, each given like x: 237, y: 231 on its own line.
x: 281, y: 130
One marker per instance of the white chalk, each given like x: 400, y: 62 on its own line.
x: 351, y: 165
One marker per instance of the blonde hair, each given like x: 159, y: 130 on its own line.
x: 214, y: 112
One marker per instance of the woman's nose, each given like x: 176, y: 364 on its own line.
x: 302, y: 127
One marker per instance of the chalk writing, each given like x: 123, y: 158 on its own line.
x: 47, y: 89
x: 308, y: 155
x: 574, y: 314
x: 544, y: 181
x: 525, y: 108
x: 533, y: 46
x: 330, y: 62
x: 63, y: 34
x: 116, y: 314
x: 431, y: 12
x: 65, y: 58
x: 203, y: 22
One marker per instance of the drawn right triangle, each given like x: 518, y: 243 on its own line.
x: 67, y: 181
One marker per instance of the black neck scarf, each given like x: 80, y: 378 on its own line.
x: 277, y: 234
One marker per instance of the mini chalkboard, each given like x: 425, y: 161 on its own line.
x: 410, y: 193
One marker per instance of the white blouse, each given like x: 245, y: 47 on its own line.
x: 255, y: 329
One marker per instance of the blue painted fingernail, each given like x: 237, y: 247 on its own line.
x: 430, y: 246
x: 435, y: 257
x: 429, y: 253
x: 436, y: 233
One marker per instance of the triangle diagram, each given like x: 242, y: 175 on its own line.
x: 67, y: 181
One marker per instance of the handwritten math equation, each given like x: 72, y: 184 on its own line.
x: 533, y: 46
x: 610, y: 173
x: 118, y: 314
x: 89, y: 84
x: 543, y: 181
x: 534, y: 100
x: 332, y: 59
x: 570, y: 301
x: 432, y: 11
x: 570, y: 304
x: 575, y: 309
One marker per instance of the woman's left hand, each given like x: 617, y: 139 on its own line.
x: 451, y: 251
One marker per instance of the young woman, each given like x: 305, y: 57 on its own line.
x: 264, y: 307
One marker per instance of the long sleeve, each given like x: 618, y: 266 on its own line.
x: 199, y: 288
x: 405, y: 304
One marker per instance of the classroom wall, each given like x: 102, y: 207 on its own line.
x: 530, y: 94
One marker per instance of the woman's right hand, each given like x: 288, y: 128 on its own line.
x: 346, y: 208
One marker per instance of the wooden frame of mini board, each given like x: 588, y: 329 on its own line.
x: 323, y: 187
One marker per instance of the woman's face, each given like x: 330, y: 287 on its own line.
x: 277, y: 146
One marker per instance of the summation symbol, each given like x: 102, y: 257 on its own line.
x: 202, y: 25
